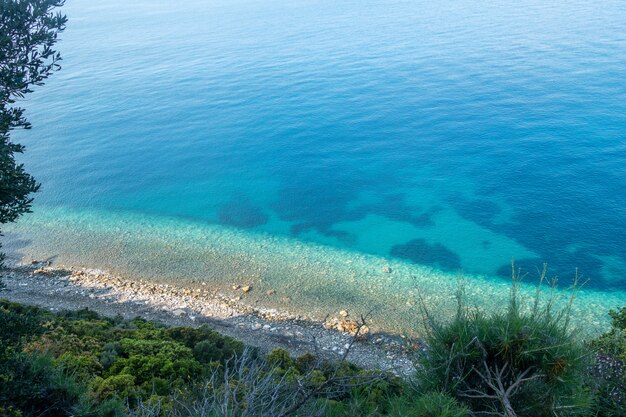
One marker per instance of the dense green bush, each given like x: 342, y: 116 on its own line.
x: 33, y: 384
x: 89, y: 365
x: 19, y: 322
x: 514, y: 362
x: 80, y: 364
x: 92, y: 366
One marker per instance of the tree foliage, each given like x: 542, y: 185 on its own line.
x: 29, y: 30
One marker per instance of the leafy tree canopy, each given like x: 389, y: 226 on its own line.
x: 29, y: 30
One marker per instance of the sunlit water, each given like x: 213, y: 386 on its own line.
x: 304, y: 146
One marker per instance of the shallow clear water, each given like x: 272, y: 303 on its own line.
x: 438, y: 137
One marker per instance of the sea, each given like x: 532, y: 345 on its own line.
x: 371, y: 155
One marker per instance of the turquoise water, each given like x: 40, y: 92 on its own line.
x: 305, y: 145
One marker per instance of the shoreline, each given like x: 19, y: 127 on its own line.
x: 304, y: 278
x: 59, y: 288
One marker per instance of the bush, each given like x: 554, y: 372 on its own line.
x: 117, y: 386
x: 19, y: 323
x: 81, y: 364
x: 433, y: 404
x: 513, y: 363
x: 32, y: 384
x: 609, y: 368
x: 207, y: 344
x: 149, y: 359
x: 97, y: 364
x: 613, y: 342
x: 280, y: 358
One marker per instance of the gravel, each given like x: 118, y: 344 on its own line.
x: 68, y: 288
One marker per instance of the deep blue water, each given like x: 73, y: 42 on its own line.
x: 455, y: 134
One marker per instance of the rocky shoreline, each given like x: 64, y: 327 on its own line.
x: 67, y: 288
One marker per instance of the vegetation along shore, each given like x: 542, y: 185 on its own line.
x: 179, y: 359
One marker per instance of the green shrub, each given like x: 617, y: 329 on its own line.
x: 148, y: 359
x: 208, y: 351
x: 112, y: 359
x: 613, y: 342
x: 306, y: 362
x: 110, y: 352
x: 89, y: 366
x: 609, y: 369
x: 207, y: 344
x: 280, y: 358
x: 433, y: 404
x: 117, y: 386
x: 20, y: 323
x: 33, y: 384
x: 82, y: 367
x: 112, y: 407
x: 88, y: 316
x: 511, y: 362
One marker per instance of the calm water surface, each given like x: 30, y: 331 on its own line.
x: 444, y: 138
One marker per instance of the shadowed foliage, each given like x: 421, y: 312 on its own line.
x: 522, y: 361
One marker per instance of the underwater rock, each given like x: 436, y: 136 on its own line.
x: 243, y: 214
x: 420, y: 251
